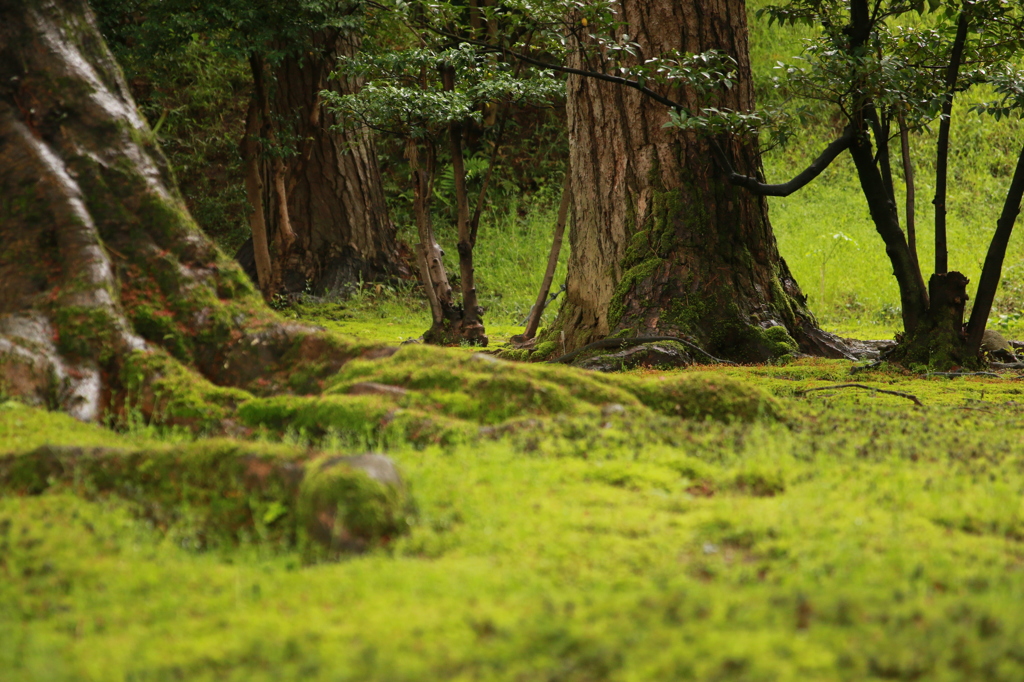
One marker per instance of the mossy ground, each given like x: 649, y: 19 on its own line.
x: 861, y: 537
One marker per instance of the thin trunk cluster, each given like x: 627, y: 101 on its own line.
x: 451, y: 322
x: 934, y: 331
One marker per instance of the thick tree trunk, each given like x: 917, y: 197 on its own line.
x: 335, y: 196
x: 661, y: 243
x: 111, y: 298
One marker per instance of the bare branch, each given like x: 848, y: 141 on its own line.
x: 899, y: 394
x: 759, y: 188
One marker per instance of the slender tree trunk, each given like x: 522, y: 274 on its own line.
x: 661, y: 243
x: 549, y: 272
x: 282, y: 236
x: 471, y: 329
x: 913, y: 295
x: 250, y: 149
x: 991, y: 272
x: 908, y: 173
x: 446, y: 320
x: 942, y: 146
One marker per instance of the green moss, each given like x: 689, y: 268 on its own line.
x: 632, y: 277
x: 232, y: 282
x: 544, y: 351
x: 779, y: 342
x: 224, y: 491
x: 691, y: 314
x: 160, y: 327
x: 207, y: 492
x: 707, y: 395
x: 360, y: 415
x: 427, y: 395
x: 514, y: 354
x: 85, y: 332
x: 23, y: 427
x: 161, y: 391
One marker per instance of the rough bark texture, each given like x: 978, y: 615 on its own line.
x: 110, y: 295
x: 335, y: 197
x: 661, y: 243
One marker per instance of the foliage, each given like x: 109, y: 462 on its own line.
x: 404, y: 94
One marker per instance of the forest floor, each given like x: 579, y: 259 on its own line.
x: 853, y: 535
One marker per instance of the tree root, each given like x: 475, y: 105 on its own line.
x: 621, y: 343
x: 900, y: 394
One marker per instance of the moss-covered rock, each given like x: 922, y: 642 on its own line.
x: 348, y: 504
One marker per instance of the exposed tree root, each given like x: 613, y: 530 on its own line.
x: 900, y: 394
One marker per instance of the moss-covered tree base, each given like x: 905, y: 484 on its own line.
x: 111, y: 299
x: 453, y: 330
x: 939, y: 343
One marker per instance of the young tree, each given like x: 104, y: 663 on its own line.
x: 318, y: 215
x: 886, y: 79
x: 425, y: 95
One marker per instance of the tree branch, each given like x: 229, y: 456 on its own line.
x: 618, y: 80
x: 759, y: 188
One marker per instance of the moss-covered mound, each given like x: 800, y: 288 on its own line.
x: 427, y: 394
x: 220, y: 491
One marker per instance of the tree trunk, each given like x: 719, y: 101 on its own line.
x: 661, y: 243
x: 939, y: 341
x: 533, y: 320
x: 471, y: 329
x: 335, y: 198
x: 111, y: 298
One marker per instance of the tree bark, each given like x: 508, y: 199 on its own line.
x: 661, y: 242
x: 908, y: 174
x: 250, y: 149
x: 335, y: 198
x: 111, y: 298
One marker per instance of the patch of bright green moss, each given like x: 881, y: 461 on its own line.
x: 23, y: 427
x: 707, y: 395
x: 428, y: 395
x: 162, y: 391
